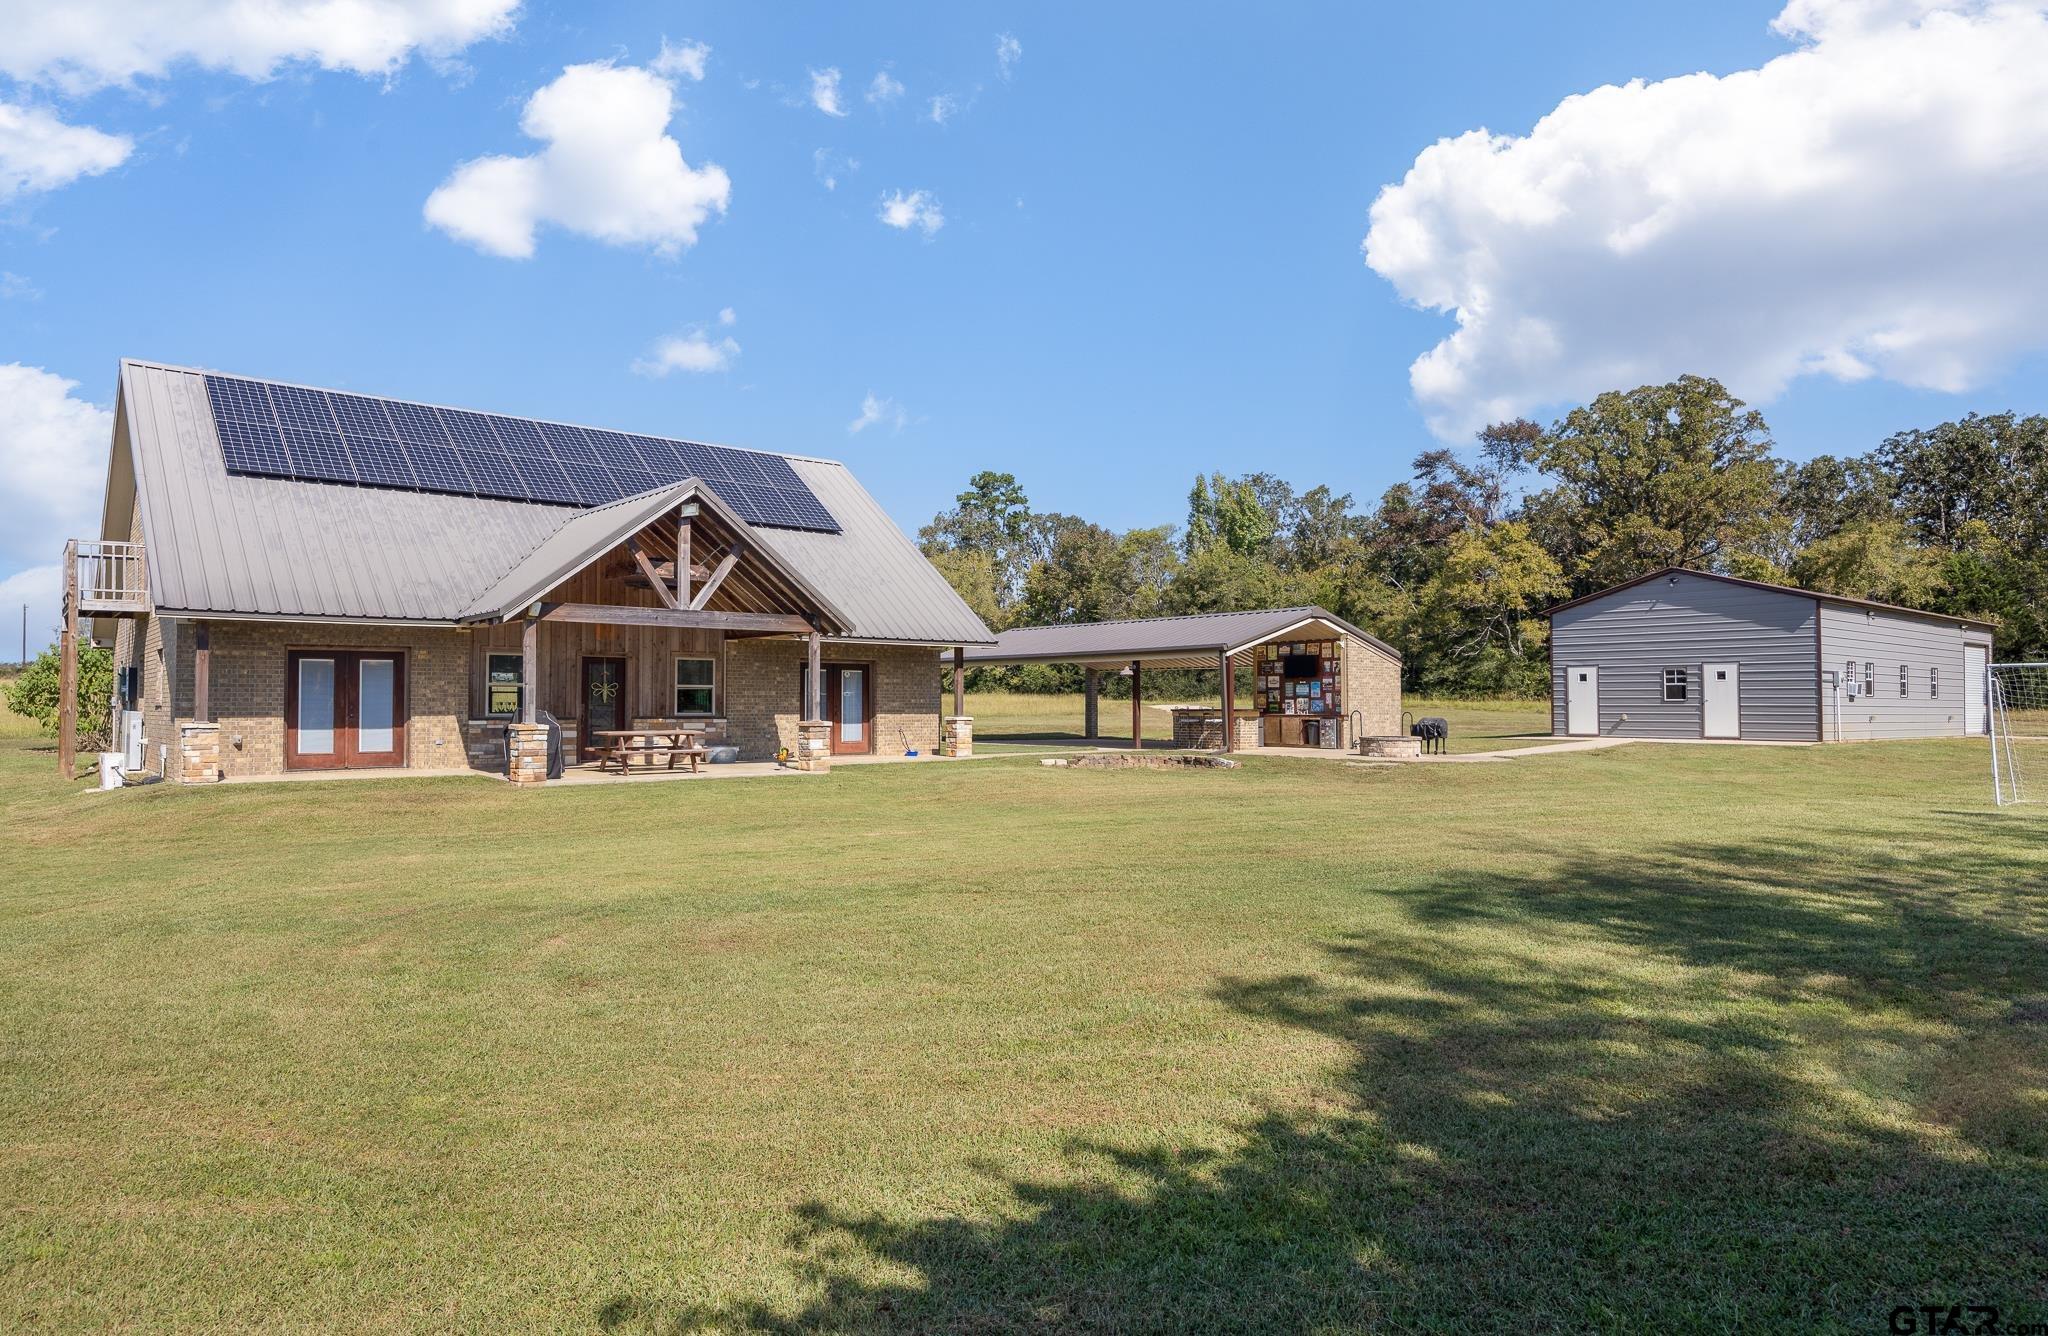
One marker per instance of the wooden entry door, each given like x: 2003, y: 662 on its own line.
x: 603, y: 699
x: 850, y: 705
x: 344, y: 709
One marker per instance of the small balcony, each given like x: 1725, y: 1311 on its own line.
x: 110, y: 577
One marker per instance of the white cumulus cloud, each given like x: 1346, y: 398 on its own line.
x: 942, y: 108
x: 81, y: 45
x: 728, y: 316
x: 917, y: 209
x: 684, y: 61
x: 883, y: 88
x: 1867, y: 204
x: 40, y: 152
x: 825, y: 92
x: 610, y: 170
x: 41, y: 590
x: 53, y: 459
x: 876, y: 411
x: 1008, y: 52
x: 695, y: 351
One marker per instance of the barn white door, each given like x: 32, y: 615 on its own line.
x: 1582, y: 701
x: 1722, y: 699
x: 1974, y: 659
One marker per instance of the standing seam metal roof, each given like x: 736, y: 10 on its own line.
x: 1155, y: 637
x: 229, y: 544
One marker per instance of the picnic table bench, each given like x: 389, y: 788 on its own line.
x: 622, y: 746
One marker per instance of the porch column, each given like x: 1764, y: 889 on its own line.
x: 1137, y: 710
x: 1091, y: 695
x: 529, y: 671
x: 814, y: 701
x: 67, y: 669
x: 1229, y: 701
x: 959, y: 680
x: 202, y: 674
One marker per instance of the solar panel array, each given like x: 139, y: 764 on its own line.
x: 283, y: 431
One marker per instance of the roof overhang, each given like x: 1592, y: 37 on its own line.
x: 1839, y: 600
x: 1179, y: 652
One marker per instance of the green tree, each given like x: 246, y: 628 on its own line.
x: 1482, y: 612
x: 992, y: 517
x: 1676, y: 474
x: 1875, y: 559
x: 34, y: 694
x: 1222, y: 579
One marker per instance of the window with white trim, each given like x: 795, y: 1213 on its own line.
x: 1905, y: 681
x: 1674, y: 683
x: 504, y: 685
x: 696, y: 685
x: 1934, y: 684
x: 1870, y: 679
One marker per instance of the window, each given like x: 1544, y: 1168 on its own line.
x: 1934, y: 684
x: 504, y: 685
x: 1674, y: 684
x: 1869, y: 679
x: 695, y: 679
x: 1905, y: 687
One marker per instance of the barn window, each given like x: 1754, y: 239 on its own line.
x: 1674, y: 684
x: 1934, y: 683
x: 1905, y: 681
x: 1869, y: 679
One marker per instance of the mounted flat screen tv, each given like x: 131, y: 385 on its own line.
x: 1301, y: 665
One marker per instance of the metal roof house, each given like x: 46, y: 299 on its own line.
x: 300, y: 578
x: 1316, y: 677
x: 1688, y: 654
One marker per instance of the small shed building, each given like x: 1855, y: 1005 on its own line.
x: 1685, y: 654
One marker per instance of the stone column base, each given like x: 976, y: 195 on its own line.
x: 198, y: 753
x: 814, y: 746
x: 1250, y: 731
x: 956, y: 735
x: 526, y: 750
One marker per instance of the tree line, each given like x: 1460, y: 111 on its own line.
x: 1455, y: 565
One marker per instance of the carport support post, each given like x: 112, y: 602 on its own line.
x: 202, y: 674
x: 1229, y: 699
x: 1137, y: 714
x: 959, y: 680
x: 1091, y: 721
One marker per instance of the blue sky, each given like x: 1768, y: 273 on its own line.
x: 1149, y: 262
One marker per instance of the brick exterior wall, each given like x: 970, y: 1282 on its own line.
x: 248, y: 688
x: 1372, y: 686
x: 761, y: 689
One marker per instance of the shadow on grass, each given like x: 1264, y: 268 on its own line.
x: 1760, y: 1087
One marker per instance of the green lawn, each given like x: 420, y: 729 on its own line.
x: 1656, y: 1038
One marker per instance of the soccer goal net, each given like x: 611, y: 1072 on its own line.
x: 2019, y: 732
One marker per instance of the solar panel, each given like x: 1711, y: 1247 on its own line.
x: 319, y: 455
x: 286, y: 431
x: 252, y: 447
x: 438, y: 468
x: 380, y: 463
x: 304, y: 409
x: 362, y: 417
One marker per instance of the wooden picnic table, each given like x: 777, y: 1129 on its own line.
x: 666, y: 742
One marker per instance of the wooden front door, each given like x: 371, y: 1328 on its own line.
x: 344, y: 709
x: 850, y: 705
x: 603, y: 701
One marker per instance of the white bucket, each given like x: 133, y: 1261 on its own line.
x: 110, y: 769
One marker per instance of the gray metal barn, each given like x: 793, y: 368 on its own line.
x: 1685, y: 654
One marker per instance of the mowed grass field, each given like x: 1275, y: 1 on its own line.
x: 1656, y: 1038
